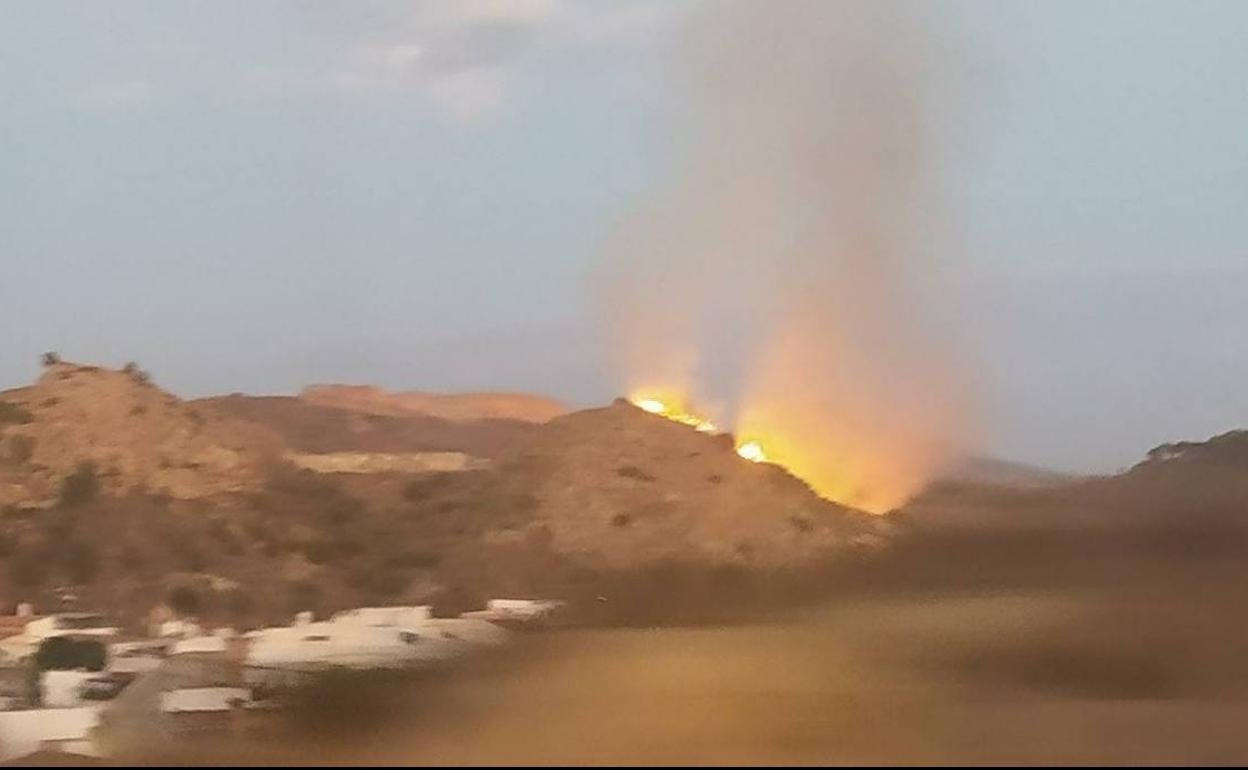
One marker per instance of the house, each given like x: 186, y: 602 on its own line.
x: 518, y: 611
x: 70, y: 624
x: 69, y: 730
x: 329, y: 644
x: 385, y: 616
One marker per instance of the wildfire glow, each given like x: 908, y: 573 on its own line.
x: 752, y: 451
x: 673, y: 413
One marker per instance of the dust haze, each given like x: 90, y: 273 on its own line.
x: 794, y: 222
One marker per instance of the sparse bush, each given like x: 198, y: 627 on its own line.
x: 302, y: 483
x: 65, y: 653
x: 59, y: 524
x: 321, y: 551
x: 377, y: 582
x: 801, y: 523
x: 17, y: 512
x: 138, y: 410
x: 131, y: 559
x: 426, y: 486
x: 81, y: 486
x: 185, y: 600
x: 621, y: 520
x: 190, y: 556
x: 13, y: 414
x: 304, y: 596
x: 139, y: 375
x: 342, y: 509
x: 635, y: 473
x: 238, y: 603
x: 51, y: 358
x: 224, y: 535
x: 28, y: 568
x: 21, y: 449
x: 414, y: 560
x: 82, y: 562
x: 715, y: 478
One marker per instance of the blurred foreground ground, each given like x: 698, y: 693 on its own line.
x: 976, y: 648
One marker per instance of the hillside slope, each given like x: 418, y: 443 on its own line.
x: 447, y: 406
x: 135, y: 436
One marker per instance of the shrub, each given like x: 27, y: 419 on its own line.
x: 82, y: 562
x: 185, y: 600
x: 59, y: 524
x: 51, y: 358
x: 21, y: 449
x: 341, y: 510
x: 621, y: 520
x: 321, y: 551
x: 28, y: 568
x: 81, y: 486
x: 426, y: 486
x: 801, y: 523
x: 17, y: 512
x: 635, y: 473
x: 414, y: 560
x: 191, y: 556
x: 131, y: 558
x: 238, y: 603
x: 13, y: 414
x: 64, y: 653
x: 224, y: 535
x: 304, y: 596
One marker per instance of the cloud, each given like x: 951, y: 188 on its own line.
x: 460, y: 58
x: 470, y: 96
x: 112, y: 96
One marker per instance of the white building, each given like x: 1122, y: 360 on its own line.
x: 326, y: 645
x: 399, y: 617
x: 68, y: 730
x: 519, y: 611
x: 69, y: 624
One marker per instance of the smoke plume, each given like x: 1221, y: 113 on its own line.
x: 797, y: 223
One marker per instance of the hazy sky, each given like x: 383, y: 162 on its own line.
x: 252, y: 196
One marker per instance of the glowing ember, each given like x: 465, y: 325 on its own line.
x: 752, y: 451
x: 673, y: 413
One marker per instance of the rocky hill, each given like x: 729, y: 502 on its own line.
x: 127, y: 495
x: 620, y: 487
x: 116, y: 431
x: 458, y: 406
x: 310, y: 427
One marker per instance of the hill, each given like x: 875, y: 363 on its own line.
x: 457, y: 406
x: 622, y: 487
x: 116, y: 432
x: 993, y: 471
x: 306, y: 426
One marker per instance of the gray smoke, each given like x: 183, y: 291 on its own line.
x: 797, y: 224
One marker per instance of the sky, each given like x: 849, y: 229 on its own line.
x: 254, y: 196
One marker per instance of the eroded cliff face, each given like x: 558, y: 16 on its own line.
x: 465, y: 406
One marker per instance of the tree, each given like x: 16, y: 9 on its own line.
x: 80, y: 486
x: 51, y: 358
